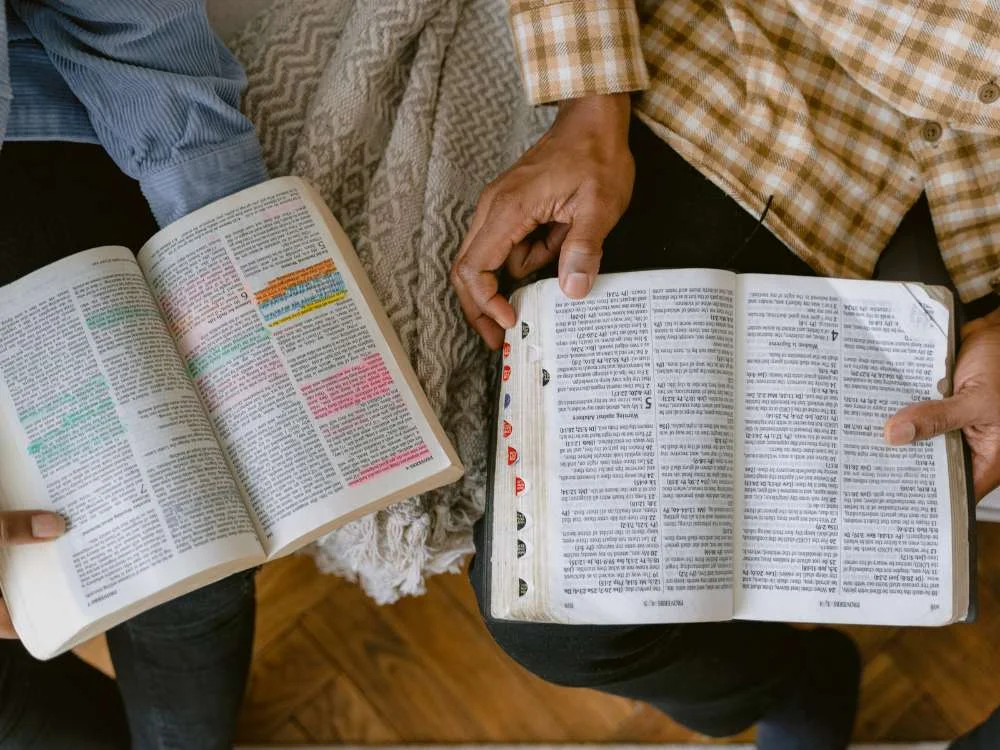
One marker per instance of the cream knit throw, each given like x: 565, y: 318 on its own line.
x: 399, y: 112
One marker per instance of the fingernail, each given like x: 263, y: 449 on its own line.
x: 577, y: 285
x: 900, y: 433
x: 47, y: 526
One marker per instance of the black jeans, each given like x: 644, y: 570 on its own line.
x: 181, y: 667
x: 716, y: 678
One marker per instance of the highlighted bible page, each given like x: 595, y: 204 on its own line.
x: 303, y: 380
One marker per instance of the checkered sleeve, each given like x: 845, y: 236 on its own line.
x: 573, y: 48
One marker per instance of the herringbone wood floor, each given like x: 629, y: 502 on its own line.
x: 330, y: 666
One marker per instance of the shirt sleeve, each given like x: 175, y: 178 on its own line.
x: 162, y: 93
x: 573, y: 48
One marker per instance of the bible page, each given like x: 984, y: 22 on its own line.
x: 307, y: 388
x: 99, y: 422
x: 640, y: 408
x: 834, y: 524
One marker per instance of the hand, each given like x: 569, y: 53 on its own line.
x: 574, y: 184
x: 26, y: 527
x: 974, y: 408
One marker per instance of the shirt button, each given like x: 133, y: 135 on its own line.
x: 989, y: 93
x: 931, y: 131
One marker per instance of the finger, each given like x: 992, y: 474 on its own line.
x: 485, y: 326
x: 6, y: 624
x: 481, y: 323
x: 530, y: 256
x: 30, y: 526
x: 476, y: 223
x: 506, y: 224
x: 926, y: 419
x: 580, y: 257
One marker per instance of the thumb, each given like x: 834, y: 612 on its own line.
x: 926, y: 419
x: 580, y: 257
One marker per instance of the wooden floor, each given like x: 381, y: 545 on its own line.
x: 330, y: 666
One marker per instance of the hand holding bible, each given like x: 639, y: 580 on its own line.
x: 974, y: 408
x: 561, y: 199
x: 26, y: 527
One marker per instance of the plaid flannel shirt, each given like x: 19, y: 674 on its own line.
x: 843, y: 110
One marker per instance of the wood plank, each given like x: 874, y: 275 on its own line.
x: 290, y: 733
x: 923, y: 721
x: 886, y: 695
x: 953, y: 665
x: 341, y: 713
x: 286, y: 589
x: 872, y: 640
x: 282, y: 677
x: 418, y: 698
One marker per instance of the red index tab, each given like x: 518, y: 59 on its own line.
x: 506, y: 373
x: 518, y: 486
x: 507, y: 428
x: 506, y: 348
x: 511, y: 455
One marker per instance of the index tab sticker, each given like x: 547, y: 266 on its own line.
x: 506, y: 400
x: 519, y: 486
x: 511, y: 455
x: 505, y: 375
x: 506, y: 349
x: 508, y: 428
x: 525, y: 330
x: 545, y: 377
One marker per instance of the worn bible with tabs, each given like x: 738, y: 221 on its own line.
x: 697, y: 445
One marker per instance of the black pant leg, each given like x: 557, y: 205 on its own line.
x: 183, y: 666
x: 62, y: 704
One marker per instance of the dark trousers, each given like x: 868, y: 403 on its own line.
x: 716, y: 678
x: 181, y: 667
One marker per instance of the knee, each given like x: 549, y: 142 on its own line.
x: 592, y: 656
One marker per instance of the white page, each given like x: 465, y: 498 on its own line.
x: 640, y: 418
x: 305, y: 394
x: 836, y: 526
x: 101, y: 424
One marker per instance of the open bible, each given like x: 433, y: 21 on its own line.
x: 224, y: 398
x: 695, y: 445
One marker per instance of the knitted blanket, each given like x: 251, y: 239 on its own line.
x: 399, y: 112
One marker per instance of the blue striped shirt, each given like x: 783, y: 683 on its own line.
x: 147, y: 79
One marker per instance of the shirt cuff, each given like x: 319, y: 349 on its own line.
x: 572, y: 49
x: 177, y: 190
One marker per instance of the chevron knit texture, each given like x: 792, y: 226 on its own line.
x: 399, y: 112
